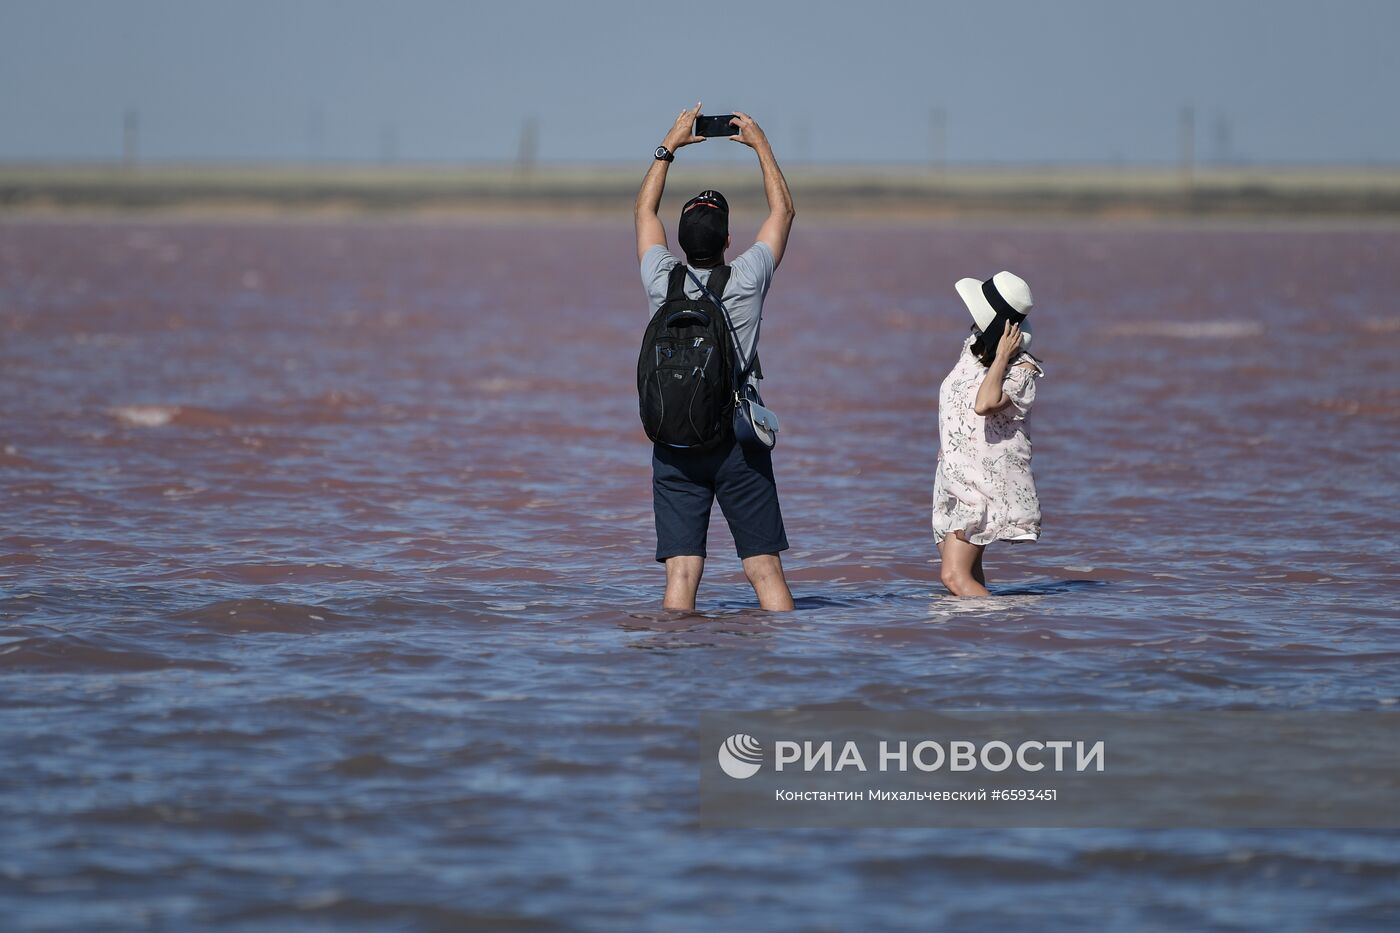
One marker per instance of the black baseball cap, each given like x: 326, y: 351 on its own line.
x: 704, y: 227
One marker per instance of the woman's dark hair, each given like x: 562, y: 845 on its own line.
x: 984, y: 347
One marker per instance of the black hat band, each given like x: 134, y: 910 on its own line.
x: 999, y: 304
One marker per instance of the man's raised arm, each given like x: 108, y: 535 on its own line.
x: 650, y: 231
x: 774, y: 231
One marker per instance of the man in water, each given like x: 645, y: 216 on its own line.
x: 685, y: 482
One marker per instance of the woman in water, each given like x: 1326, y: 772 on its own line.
x: 983, y: 490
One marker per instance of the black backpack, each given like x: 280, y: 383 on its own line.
x: 685, y: 374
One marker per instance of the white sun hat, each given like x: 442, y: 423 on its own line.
x: 1005, y: 294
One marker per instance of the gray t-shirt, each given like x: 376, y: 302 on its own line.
x: 749, y: 277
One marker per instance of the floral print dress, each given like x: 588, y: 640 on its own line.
x: 983, y: 486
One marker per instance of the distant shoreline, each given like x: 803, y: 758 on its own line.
x: 896, y: 192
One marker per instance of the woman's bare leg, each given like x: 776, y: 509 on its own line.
x: 959, y: 558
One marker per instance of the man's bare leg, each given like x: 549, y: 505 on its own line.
x: 682, y: 581
x: 765, y: 573
x: 959, y: 558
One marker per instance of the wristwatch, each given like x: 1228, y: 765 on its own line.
x: 664, y: 154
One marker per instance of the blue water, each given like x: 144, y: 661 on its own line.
x: 326, y: 599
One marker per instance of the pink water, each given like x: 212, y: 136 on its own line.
x: 327, y: 600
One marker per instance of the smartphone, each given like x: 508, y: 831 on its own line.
x: 715, y: 125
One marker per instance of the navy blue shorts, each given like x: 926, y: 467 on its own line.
x: 685, y: 483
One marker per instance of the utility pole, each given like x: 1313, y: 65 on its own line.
x: 1220, y: 130
x: 131, y: 133
x: 1188, y: 147
x: 315, y: 134
x: 528, y: 150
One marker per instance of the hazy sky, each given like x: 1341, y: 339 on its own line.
x: 1274, y: 80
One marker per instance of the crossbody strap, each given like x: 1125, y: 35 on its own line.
x: 742, y: 375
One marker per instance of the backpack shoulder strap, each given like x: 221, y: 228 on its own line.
x: 675, y: 286
x: 718, y: 280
